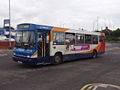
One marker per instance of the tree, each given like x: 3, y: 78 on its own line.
x: 116, y: 33
x: 107, y: 31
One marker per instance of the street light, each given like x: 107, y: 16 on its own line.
x: 10, y: 22
x: 97, y: 22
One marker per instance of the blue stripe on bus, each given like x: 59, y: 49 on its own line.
x: 70, y: 57
x: 24, y: 52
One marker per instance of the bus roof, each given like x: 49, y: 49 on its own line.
x: 84, y: 32
x: 30, y: 26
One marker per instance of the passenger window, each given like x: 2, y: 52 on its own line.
x: 80, y: 39
x: 101, y: 39
x: 70, y: 38
x: 88, y: 39
x: 95, y: 39
x: 58, y: 38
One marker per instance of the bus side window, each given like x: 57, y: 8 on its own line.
x: 70, y: 38
x: 101, y: 39
x: 80, y: 39
x: 58, y: 38
x: 88, y: 39
x: 94, y: 39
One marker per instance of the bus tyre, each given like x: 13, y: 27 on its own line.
x: 57, y: 59
x: 94, y: 54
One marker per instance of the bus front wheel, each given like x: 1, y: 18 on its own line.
x: 57, y: 58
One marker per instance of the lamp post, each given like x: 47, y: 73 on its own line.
x: 10, y: 23
x: 93, y: 25
x: 97, y: 23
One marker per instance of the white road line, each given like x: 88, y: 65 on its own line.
x: 3, y: 55
x: 110, y: 49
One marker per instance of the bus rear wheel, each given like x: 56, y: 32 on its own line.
x: 94, y: 54
x: 58, y: 59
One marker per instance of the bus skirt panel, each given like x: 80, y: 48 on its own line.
x: 69, y: 57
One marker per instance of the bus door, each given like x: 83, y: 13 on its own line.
x: 43, y: 44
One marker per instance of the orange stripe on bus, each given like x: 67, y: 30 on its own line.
x: 60, y: 29
x: 35, y: 53
x: 57, y: 29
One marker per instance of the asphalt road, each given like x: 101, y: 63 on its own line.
x: 67, y: 76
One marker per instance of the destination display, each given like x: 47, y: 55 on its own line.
x: 24, y: 26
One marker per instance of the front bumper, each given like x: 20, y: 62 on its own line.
x: 31, y: 61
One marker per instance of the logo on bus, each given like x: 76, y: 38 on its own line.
x: 80, y: 47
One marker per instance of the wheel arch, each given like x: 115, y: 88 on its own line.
x: 59, y: 53
x: 95, y: 50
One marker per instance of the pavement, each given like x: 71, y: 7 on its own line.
x: 71, y: 75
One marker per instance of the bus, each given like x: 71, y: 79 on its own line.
x: 40, y: 44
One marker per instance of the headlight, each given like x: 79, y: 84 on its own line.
x: 14, y: 53
x: 28, y: 56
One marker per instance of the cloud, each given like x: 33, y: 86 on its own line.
x: 72, y: 14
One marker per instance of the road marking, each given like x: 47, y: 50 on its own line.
x: 3, y: 55
x: 2, y: 52
x: 113, y: 49
x: 94, y: 86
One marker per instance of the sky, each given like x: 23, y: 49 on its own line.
x: 74, y: 14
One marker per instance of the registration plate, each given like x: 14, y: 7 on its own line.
x: 20, y: 62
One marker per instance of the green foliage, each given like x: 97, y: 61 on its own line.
x: 112, y: 36
x: 106, y: 32
x: 116, y: 33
